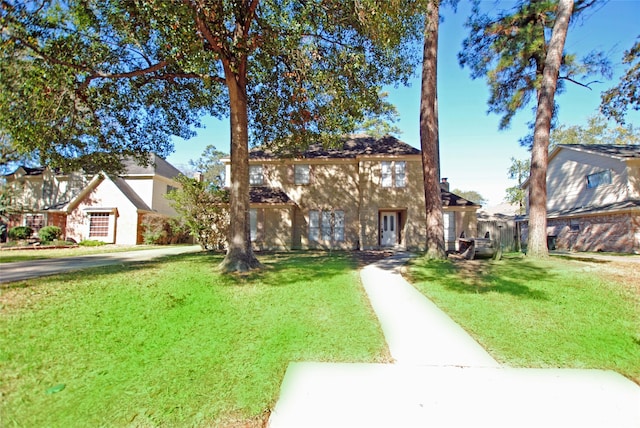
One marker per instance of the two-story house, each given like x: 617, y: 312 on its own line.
x: 593, y: 198
x: 101, y: 207
x: 366, y: 194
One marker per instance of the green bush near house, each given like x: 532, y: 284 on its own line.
x: 20, y: 232
x: 90, y: 243
x: 49, y: 233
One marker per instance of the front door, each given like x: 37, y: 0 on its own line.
x: 388, y: 229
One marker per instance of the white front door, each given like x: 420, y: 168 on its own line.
x: 389, y: 229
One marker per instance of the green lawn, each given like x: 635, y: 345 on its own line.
x: 172, y: 342
x: 555, y: 313
x: 17, y: 255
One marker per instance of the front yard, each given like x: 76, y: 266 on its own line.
x: 556, y: 313
x: 172, y: 342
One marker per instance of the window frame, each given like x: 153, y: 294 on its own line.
x: 306, y: 179
x: 256, y: 178
x: 597, y: 179
x: 393, y: 174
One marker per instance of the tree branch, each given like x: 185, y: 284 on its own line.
x: 584, y: 85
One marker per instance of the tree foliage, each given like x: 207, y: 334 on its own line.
x: 204, y: 210
x: 509, y: 49
x: 210, y: 165
x: 598, y: 130
x: 119, y: 77
x: 626, y: 94
x: 470, y: 195
x: 519, y: 171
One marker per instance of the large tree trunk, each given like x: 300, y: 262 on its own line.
x: 537, y: 244
x: 240, y: 256
x: 429, y: 136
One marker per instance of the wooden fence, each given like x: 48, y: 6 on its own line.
x: 500, y: 230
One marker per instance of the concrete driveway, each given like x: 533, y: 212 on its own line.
x: 18, y: 271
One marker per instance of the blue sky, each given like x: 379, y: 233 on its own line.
x: 474, y: 154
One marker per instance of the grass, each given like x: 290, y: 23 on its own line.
x: 25, y: 255
x: 172, y: 342
x: 554, y: 313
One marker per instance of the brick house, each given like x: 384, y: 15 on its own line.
x: 99, y: 207
x: 593, y: 198
x: 366, y: 194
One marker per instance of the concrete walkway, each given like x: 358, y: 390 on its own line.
x: 443, y: 378
x: 19, y: 271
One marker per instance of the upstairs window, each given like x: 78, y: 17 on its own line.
x: 393, y: 174
x: 302, y: 174
x: 256, y: 175
x: 598, y: 179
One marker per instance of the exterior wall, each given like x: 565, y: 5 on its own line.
x: 274, y: 227
x: 159, y: 202
x: 105, y: 196
x: 567, y: 184
x: 618, y: 233
x: 333, y: 186
x: 143, y: 187
x: 633, y: 172
x: 409, y: 201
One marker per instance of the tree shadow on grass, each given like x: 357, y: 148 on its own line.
x: 484, y: 276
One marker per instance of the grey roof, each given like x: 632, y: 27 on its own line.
x: 614, y: 150
x: 352, y: 147
x: 268, y: 195
x: 157, y: 165
x: 631, y: 204
x: 452, y: 200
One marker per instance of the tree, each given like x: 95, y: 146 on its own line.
x: 210, y: 165
x: 204, y: 210
x: 616, y: 100
x: 429, y: 139
x: 537, y: 242
x: 597, y: 131
x: 121, y: 77
x: 519, y: 171
x: 470, y: 195
x: 510, y: 51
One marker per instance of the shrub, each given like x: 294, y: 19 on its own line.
x: 20, y: 232
x: 91, y: 243
x: 49, y: 233
x: 162, y: 230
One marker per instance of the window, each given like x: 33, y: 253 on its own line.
x: 314, y: 225
x: 302, y: 174
x: 171, y: 189
x: 599, y: 178
x: 98, y: 225
x: 47, y: 191
x: 393, y: 174
x: 326, y: 226
x: 574, y: 226
x: 256, y: 175
x: 253, y: 224
x: 34, y: 221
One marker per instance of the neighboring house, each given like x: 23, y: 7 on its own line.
x: 593, y: 198
x: 102, y: 207
x: 367, y: 194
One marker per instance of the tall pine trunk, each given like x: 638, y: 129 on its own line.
x: 240, y: 256
x: 429, y: 136
x: 537, y: 243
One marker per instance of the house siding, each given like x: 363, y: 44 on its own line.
x: 566, y: 180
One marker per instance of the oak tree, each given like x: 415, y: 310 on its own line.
x: 95, y: 80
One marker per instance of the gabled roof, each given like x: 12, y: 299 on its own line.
x: 613, y: 150
x: 352, y: 147
x: 120, y: 183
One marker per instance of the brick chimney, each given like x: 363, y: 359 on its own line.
x: 444, y: 184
